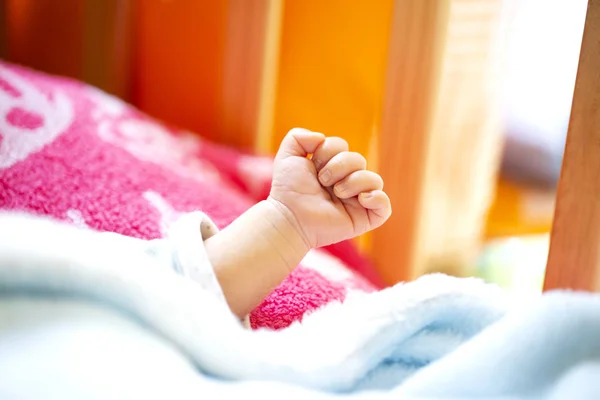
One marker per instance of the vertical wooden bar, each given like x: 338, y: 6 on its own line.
x: 269, y: 77
x: 178, y: 61
x: 210, y: 67
x: 574, y: 257
x: 3, y: 29
x: 413, y: 68
x: 440, y: 141
x: 107, y: 45
x: 46, y: 35
x: 250, y: 73
x: 88, y: 40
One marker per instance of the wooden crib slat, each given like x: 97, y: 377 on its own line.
x: 107, y: 45
x: 251, y: 55
x: 87, y: 40
x: 574, y: 257
x: 3, y: 29
x: 210, y: 66
x: 178, y: 59
x: 46, y: 35
x: 440, y: 141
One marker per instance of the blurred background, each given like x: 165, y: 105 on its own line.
x: 462, y: 105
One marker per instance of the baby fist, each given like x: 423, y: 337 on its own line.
x: 325, y: 190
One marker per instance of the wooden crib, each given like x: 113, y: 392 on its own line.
x: 409, y: 83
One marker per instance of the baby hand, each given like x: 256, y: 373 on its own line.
x: 330, y: 196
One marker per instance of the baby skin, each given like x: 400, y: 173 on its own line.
x: 321, y: 193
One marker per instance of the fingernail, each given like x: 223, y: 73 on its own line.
x: 366, y: 195
x: 341, y: 188
x: 325, y: 176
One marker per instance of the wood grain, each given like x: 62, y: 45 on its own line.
x: 574, y: 257
x: 46, y: 35
x: 210, y: 67
x: 440, y: 141
x: 250, y: 73
x: 178, y: 58
x: 108, y: 45
x: 3, y: 29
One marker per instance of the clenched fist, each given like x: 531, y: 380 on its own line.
x: 325, y: 190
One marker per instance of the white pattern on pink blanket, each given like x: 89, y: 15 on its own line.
x: 29, y: 118
x: 149, y: 141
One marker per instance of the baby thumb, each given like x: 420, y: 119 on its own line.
x: 299, y: 142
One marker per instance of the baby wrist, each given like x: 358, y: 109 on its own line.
x: 287, y: 229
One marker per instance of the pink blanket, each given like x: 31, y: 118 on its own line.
x: 74, y: 153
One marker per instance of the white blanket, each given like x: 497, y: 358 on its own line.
x: 81, y: 317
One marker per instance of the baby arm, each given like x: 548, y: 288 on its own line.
x: 321, y: 194
x: 254, y: 254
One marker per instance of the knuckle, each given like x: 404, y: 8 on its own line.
x: 360, y: 159
x: 375, y: 178
x: 340, y: 164
x: 340, y: 144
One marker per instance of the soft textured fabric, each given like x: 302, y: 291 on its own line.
x: 80, y: 318
x: 371, y: 341
x: 76, y: 154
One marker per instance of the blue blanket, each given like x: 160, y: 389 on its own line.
x: 81, y: 317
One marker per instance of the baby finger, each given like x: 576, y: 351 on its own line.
x: 358, y: 182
